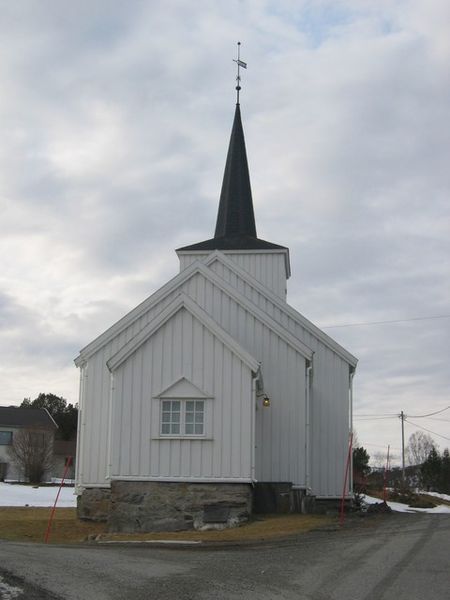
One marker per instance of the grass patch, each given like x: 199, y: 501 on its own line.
x: 30, y: 524
x: 26, y: 524
x: 436, y: 501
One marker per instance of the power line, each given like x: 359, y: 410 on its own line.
x: 373, y: 418
x: 386, y: 322
x: 428, y: 430
x: 429, y: 414
x: 377, y: 415
x: 381, y: 446
x: 363, y: 417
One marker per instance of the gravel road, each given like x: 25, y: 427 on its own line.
x: 391, y: 557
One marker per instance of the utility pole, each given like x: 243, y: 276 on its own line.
x: 402, y: 417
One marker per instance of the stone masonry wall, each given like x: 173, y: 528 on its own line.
x: 94, y: 504
x: 160, y: 506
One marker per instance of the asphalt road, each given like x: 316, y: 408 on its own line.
x: 393, y: 557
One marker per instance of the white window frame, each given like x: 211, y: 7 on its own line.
x: 185, y: 420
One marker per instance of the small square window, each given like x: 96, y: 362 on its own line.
x: 182, y: 417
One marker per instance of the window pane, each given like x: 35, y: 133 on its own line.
x: 175, y: 428
x: 5, y: 438
x: 199, y: 428
x: 175, y: 405
x: 199, y: 405
x: 189, y: 429
x: 165, y: 428
x: 190, y: 404
x: 199, y: 417
x: 189, y: 417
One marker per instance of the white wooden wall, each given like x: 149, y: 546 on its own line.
x: 281, y: 437
x: 269, y: 268
x: 182, y: 347
x: 330, y: 406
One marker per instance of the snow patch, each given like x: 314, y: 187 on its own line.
x: 26, y: 495
x: 399, y: 507
x: 436, y: 495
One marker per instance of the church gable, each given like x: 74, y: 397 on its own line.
x: 182, y: 301
x: 281, y: 312
x: 182, y: 401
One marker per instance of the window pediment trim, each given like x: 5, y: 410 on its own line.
x: 184, y: 389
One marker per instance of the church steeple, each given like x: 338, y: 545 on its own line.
x: 235, y: 226
x: 235, y: 217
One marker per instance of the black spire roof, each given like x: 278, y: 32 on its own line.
x: 235, y: 227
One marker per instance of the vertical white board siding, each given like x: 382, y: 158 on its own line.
x: 269, y: 268
x: 329, y: 402
x: 96, y: 401
x: 187, y: 259
x: 182, y: 347
x: 278, y: 439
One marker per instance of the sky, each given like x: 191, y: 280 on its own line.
x: 115, y: 120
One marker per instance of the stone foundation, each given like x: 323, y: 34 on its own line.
x: 94, y: 504
x: 139, y: 506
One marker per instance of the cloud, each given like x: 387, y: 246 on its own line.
x: 115, y: 124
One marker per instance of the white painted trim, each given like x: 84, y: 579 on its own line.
x: 79, y: 426
x: 182, y: 437
x: 284, y: 306
x: 283, y: 333
x: 199, y: 395
x: 135, y: 314
x: 185, y: 479
x: 284, y: 251
x: 181, y: 301
x: 201, y: 267
x: 90, y: 486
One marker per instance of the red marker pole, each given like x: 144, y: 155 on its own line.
x: 347, y: 469
x: 52, y: 514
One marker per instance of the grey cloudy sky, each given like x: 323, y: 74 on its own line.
x: 115, y: 120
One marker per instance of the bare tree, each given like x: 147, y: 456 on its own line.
x: 32, y: 452
x: 419, y: 447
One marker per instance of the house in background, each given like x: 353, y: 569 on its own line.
x: 64, y: 452
x: 214, y: 394
x: 14, y: 419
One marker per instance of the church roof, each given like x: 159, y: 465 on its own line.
x: 235, y: 227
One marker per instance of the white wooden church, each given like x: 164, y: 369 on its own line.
x: 213, y: 396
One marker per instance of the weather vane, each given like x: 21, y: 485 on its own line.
x: 240, y: 63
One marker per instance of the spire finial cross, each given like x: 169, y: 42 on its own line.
x: 240, y: 63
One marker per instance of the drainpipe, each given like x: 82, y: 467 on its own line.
x: 109, y: 464
x: 307, y: 426
x: 350, y: 399
x: 253, y: 432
